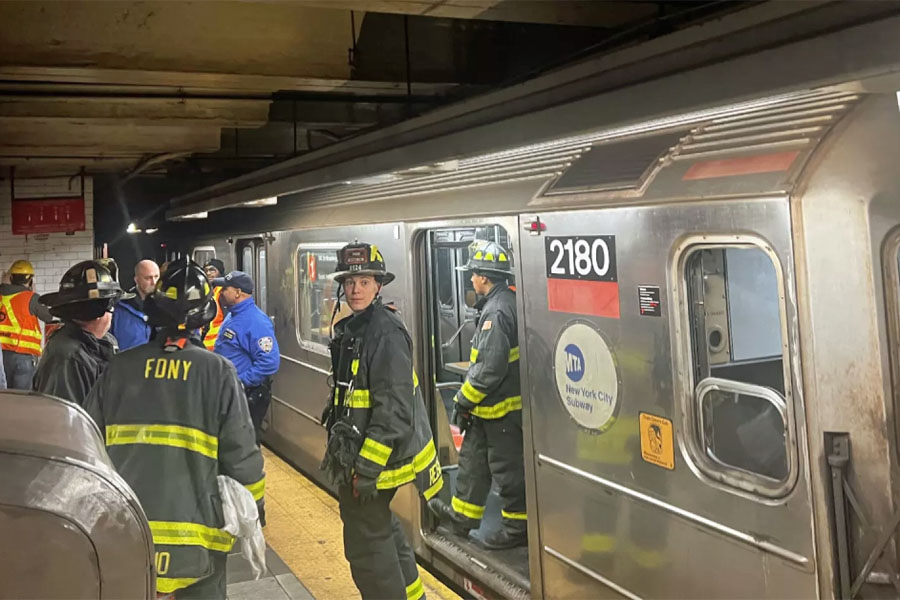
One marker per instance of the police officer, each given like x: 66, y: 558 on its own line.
x: 247, y: 339
x: 174, y: 418
x: 78, y: 353
x: 378, y: 432
x: 20, y: 332
x: 488, y: 408
x: 130, y: 324
x: 214, y: 269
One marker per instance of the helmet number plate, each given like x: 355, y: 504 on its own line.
x: 356, y: 256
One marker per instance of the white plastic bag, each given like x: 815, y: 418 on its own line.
x: 242, y: 521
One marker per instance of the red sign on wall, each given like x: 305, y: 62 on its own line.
x: 47, y: 215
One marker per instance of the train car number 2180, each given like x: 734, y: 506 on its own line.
x: 587, y: 257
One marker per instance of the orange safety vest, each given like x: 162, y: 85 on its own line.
x: 19, y: 329
x: 209, y: 340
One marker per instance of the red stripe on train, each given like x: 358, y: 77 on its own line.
x: 597, y: 298
x: 745, y: 165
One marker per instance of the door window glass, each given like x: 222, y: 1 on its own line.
x: 247, y: 261
x: 262, y: 290
x: 317, y: 294
x: 735, y: 314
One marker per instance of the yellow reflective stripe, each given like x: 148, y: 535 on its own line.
x: 518, y: 516
x: 375, y: 451
x: 514, y: 354
x: 598, y: 542
x: 27, y: 333
x: 415, y: 380
x: 433, y: 490
x: 164, y: 435
x: 471, y: 394
x: 174, y: 533
x: 19, y: 343
x: 354, y: 366
x: 258, y: 489
x: 415, y: 590
x: 391, y: 478
x: 473, y: 355
x: 359, y: 399
x: 167, y: 585
x: 500, y: 409
x: 473, y: 511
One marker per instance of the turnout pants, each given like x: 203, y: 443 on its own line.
x: 381, y: 562
x: 19, y: 370
x: 492, y: 448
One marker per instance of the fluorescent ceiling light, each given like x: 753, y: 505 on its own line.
x: 151, y: 230
x: 188, y: 217
x: 262, y: 202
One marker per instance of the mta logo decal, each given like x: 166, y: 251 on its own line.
x: 574, y: 363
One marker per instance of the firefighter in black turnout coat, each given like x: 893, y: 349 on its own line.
x: 488, y: 408
x: 174, y: 418
x: 378, y: 432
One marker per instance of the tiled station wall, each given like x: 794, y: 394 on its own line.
x: 51, y: 254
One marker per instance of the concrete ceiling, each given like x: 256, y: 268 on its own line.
x: 219, y: 88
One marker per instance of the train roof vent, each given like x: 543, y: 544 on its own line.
x: 615, y: 165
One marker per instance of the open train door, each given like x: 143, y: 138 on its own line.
x: 663, y: 388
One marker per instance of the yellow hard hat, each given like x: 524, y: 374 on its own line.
x: 21, y: 267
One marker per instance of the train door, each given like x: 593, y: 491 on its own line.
x: 251, y: 259
x: 451, y: 317
x: 668, y: 418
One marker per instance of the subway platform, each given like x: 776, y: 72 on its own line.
x: 305, y: 554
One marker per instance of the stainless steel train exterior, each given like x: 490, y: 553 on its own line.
x: 710, y: 322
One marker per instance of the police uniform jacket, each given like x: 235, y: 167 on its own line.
x: 72, y: 362
x: 247, y: 339
x: 372, y: 356
x: 130, y: 325
x: 491, y: 389
x: 174, y: 417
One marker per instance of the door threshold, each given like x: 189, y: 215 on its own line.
x: 484, y: 565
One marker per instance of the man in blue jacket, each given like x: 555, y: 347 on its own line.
x: 247, y: 339
x: 129, y: 324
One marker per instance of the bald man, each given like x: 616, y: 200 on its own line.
x: 129, y: 324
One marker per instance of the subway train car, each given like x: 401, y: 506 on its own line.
x: 709, y: 326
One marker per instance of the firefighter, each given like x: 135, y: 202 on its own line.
x: 378, y: 432
x: 77, y: 353
x: 20, y: 332
x: 248, y: 340
x: 214, y: 269
x: 130, y: 324
x: 174, y: 418
x: 488, y: 408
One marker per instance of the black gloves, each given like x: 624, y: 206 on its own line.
x: 364, y: 489
x: 461, y: 417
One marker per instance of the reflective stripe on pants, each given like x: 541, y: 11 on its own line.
x: 493, y: 448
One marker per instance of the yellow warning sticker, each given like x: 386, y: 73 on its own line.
x: 657, y: 441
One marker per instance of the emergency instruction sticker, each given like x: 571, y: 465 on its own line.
x: 586, y: 376
x: 648, y: 300
x: 657, y: 441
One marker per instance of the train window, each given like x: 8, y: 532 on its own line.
x: 201, y: 254
x: 316, y: 294
x: 737, y: 342
x: 444, y: 266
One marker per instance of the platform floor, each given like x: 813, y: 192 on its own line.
x: 306, y: 552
